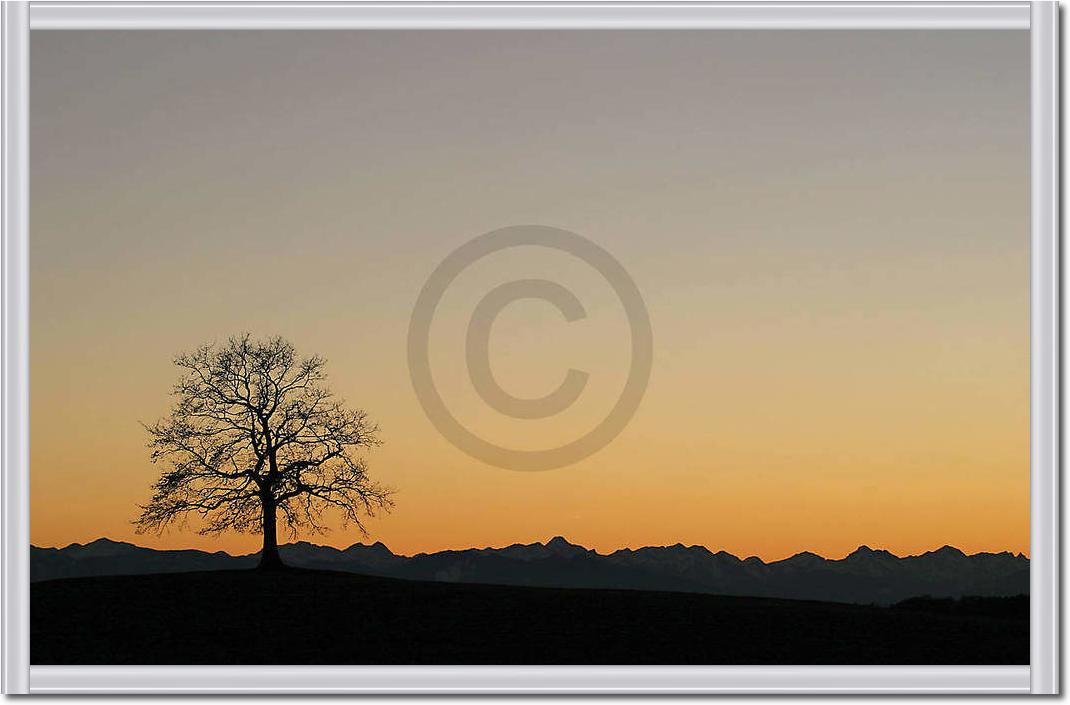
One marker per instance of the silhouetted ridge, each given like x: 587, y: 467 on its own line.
x: 948, y: 551
x: 561, y: 546
x: 101, y: 547
x: 865, y: 575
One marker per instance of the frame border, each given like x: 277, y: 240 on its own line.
x: 16, y: 405
x: 582, y: 14
x: 530, y: 680
x: 1045, y: 346
x: 1039, y: 17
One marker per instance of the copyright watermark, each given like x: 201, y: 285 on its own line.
x: 477, y: 343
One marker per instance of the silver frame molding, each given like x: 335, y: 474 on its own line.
x: 1041, y: 676
x: 582, y: 14
x: 1044, y: 352
x: 16, y: 337
x: 530, y: 680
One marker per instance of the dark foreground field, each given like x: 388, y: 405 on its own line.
x: 313, y: 617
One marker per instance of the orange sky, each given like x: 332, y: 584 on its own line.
x: 835, y: 265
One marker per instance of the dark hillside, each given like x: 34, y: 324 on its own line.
x: 320, y: 617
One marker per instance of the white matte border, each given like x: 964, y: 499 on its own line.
x: 1044, y: 350
x: 1041, y: 677
x: 524, y: 680
x: 530, y: 15
x: 16, y: 405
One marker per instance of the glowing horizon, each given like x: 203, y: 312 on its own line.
x: 370, y: 542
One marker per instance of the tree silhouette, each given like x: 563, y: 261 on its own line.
x: 254, y: 432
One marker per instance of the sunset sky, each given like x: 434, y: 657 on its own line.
x: 830, y: 231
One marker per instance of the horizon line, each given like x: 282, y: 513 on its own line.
x: 554, y: 539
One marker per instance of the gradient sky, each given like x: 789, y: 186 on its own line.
x: 830, y: 230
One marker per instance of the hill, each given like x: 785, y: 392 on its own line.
x: 866, y: 576
x: 318, y: 617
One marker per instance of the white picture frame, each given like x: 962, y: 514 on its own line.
x: 1042, y: 676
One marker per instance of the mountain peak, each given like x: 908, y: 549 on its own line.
x: 102, y: 541
x: 561, y: 546
x: 102, y: 547
x: 865, y: 551
x: 378, y: 548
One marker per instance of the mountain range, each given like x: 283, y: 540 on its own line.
x: 865, y: 576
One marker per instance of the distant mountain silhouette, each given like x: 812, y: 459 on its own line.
x: 865, y: 576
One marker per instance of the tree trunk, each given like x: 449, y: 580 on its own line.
x: 269, y: 556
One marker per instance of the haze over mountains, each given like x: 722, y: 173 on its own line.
x: 864, y: 576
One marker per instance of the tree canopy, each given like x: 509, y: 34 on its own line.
x: 254, y: 432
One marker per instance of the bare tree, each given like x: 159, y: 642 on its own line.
x: 254, y: 432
